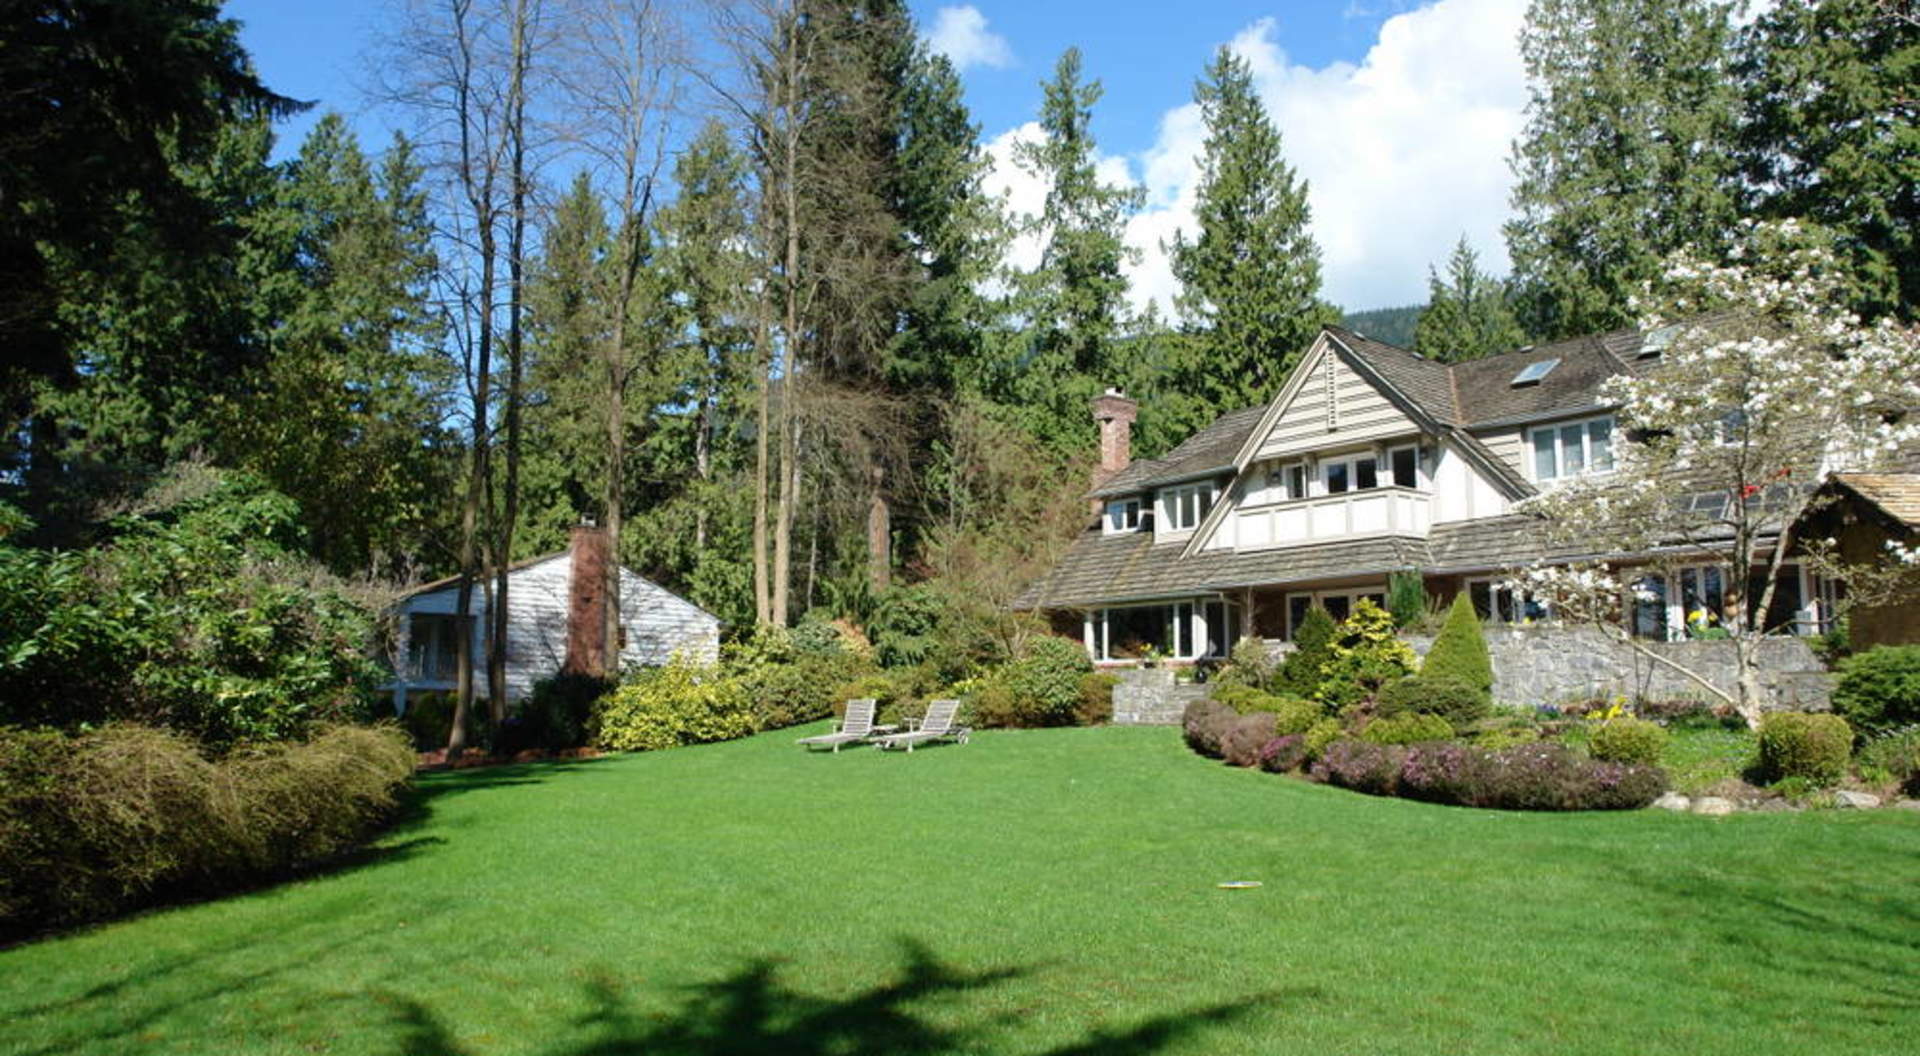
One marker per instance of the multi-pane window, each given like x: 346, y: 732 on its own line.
x: 1350, y: 474
x: 432, y: 646
x: 1494, y: 600
x: 1182, y: 630
x: 1123, y: 515
x: 1184, y: 508
x: 1562, y: 451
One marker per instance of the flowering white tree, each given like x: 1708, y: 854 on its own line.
x: 1762, y: 389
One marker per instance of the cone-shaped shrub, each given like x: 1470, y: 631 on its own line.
x: 1459, y: 653
x: 1312, y: 648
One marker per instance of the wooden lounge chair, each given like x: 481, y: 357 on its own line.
x: 937, y: 726
x: 855, y: 727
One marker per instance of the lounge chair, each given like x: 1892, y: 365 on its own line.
x: 937, y: 726
x: 855, y: 727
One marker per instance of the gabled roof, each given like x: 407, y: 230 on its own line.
x: 447, y: 581
x: 1488, y: 396
x: 1206, y: 452
x: 1895, y: 495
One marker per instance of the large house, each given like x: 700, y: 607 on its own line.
x: 1371, y: 460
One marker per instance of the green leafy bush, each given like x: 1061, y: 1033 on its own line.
x: 553, y: 716
x: 197, y: 614
x: 1459, y: 653
x: 1812, y: 747
x: 1284, y: 754
x: 428, y: 719
x: 905, y: 625
x: 1096, y: 699
x: 1044, y: 684
x: 1457, y: 702
x: 683, y: 702
x: 1243, y: 736
x: 1410, y: 728
x: 1879, y: 689
x: 1312, y: 647
x: 1321, y: 734
x: 1628, y: 740
x: 802, y: 689
x: 1251, y: 664
x: 1897, y: 755
x: 122, y: 816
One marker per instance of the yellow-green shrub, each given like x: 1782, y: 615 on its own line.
x: 1628, y: 740
x: 1812, y: 747
x: 684, y: 702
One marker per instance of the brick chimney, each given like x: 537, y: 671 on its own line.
x: 1115, y: 414
x: 589, y: 552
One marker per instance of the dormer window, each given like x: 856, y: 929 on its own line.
x: 1182, y: 509
x: 1123, y: 516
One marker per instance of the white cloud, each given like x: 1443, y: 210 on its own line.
x: 1403, y: 152
x: 961, y: 34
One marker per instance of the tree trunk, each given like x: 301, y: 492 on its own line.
x: 762, y: 595
x: 787, y: 503
x: 702, y: 470
x: 879, y: 532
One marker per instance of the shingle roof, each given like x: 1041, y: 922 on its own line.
x: 1098, y: 569
x: 1895, y: 494
x: 1487, y: 394
x: 1425, y: 382
x: 1210, y: 450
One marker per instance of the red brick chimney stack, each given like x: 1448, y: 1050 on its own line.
x: 590, y: 550
x: 1115, y: 414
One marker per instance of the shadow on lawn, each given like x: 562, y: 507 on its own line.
x: 1861, y: 933
x: 751, y: 1012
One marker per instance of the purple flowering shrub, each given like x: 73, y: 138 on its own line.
x: 1203, y: 723
x: 1539, y: 776
x: 1284, y: 754
x: 1361, y: 766
x: 1243, y: 736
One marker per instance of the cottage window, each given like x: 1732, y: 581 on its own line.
x: 1494, y: 600
x: 432, y: 647
x: 1123, y: 515
x: 1338, y: 603
x: 1563, y: 451
x: 1406, y: 466
x: 1354, y: 473
x: 1174, y: 630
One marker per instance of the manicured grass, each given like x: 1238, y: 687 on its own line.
x: 1046, y: 891
x: 1697, y: 756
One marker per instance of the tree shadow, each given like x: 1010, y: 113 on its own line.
x: 753, y: 1012
x: 1862, y: 934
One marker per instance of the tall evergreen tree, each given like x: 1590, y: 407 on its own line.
x: 1074, y: 303
x: 1467, y: 314
x: 1250, y: 280
x: 1627, y: 154
x: 1832, y: 135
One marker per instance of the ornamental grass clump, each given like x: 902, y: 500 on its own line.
x: 1812, y: 748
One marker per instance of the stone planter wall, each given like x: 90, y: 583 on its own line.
x: 1547, y: 665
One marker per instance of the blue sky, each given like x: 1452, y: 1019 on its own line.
x: 1398, y: 114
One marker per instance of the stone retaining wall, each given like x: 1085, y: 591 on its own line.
x: 1551, y: 665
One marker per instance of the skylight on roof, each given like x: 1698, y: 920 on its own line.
x: 1534, y: 372
x: 1657, y: 341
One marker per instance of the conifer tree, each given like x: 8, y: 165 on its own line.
x: 1074, y: 302
x: 1832, y: 135
x: 1250, y: 279
x: 1467, y: 314
x: 1627, y: 154
x: 1459, y: 652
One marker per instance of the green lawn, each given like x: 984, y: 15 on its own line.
x: 1046, y: 891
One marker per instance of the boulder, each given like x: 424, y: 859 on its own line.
x: 1714, y: 806
x: 1673, y: 801
x: 1847, y: 798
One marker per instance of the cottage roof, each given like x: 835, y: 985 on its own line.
x: 1897, y: 495
x: 1206, y: 452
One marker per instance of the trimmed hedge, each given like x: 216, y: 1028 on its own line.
x: 1284, y: 754
x: 1243, y: 736
x: 1407, y: 729
x: 1457, y: 702
x: 1811, y: 747
x: 1204, y: 723
x: 124, y: 816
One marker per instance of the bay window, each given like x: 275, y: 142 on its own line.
x: 1179, y: 630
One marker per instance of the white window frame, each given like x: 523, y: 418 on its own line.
x: 1516, y: 600
x: 1351, y: 460
x: 1587, y: 448
x: 1318, y: 599
x: 1123, y: 516
x: 1097, y: 628
x: 1419, y: 471
x: 1171, y: 500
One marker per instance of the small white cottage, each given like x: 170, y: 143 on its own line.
x: 554, y: 606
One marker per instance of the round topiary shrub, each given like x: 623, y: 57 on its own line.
x: 1814, y: 748
x: 1879, y: 689
x: 1629, y: 740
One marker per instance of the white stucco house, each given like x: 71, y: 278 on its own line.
x: 546, y: 599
